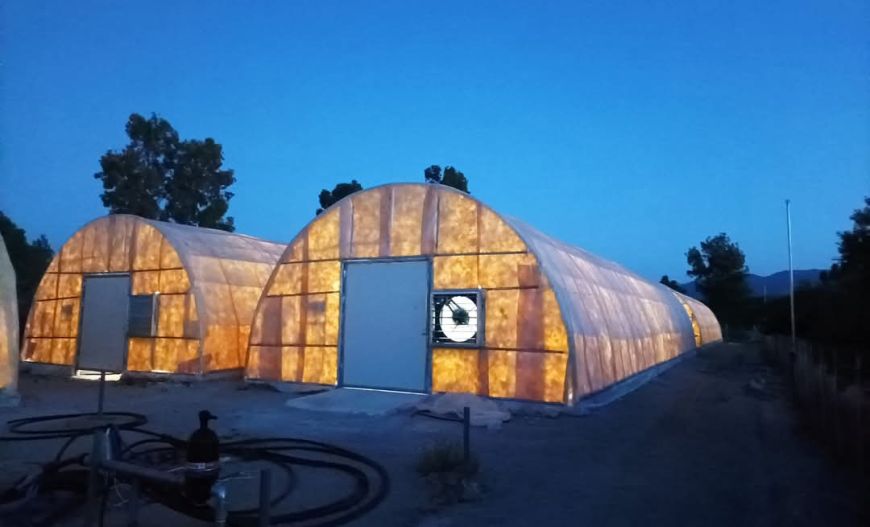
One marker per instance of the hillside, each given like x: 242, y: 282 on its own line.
x: 775, y: 284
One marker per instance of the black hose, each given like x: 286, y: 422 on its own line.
x: 371, y: 481
x: 432, y: 415
x: 19, y: 426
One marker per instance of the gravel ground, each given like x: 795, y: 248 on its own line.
x: 696, y: 446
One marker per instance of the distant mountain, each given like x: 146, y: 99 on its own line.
x: 775, y: 284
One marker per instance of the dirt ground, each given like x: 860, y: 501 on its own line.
x: 696, y: 446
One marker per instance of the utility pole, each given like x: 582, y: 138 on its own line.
x: 790, y: 276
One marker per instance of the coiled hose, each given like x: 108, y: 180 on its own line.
x: 371, y: 481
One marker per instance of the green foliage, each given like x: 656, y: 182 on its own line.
x: 30, y: 259
x: 672, y: 284
x: 159, y: 176
x: 450, y: 177
x: 836, y: 311
x: 852, y: 270
x: 719, y: 269
x: 328, y: 198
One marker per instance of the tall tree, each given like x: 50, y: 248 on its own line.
x: 849, y: 281
x: 159, y: 176
x: 672, y: 284
x: 30, y: 259
x: 327, y: 198
x: 450, y: 177
x: 853, y: 264
x: 196, y: 193
x: 719, y: 269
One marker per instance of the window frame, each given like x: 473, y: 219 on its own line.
x: 155, y: 308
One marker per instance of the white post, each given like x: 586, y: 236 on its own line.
x: 790, y: 276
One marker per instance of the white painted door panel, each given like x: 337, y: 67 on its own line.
x: 385, y: 325
x: 105, y: 310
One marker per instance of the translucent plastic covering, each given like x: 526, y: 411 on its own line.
x: 8, y: 325
x: 619, y: 323
x: 296, y: 329
x: 207, y: 284
x: 550, y: 308
x: 704, y: 323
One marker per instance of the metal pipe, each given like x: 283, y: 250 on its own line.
x: 138, y: 471
x: 102, y: 393
x: 790, y: 276
x: 133, y: 504
x: 219, y: 493
x: 265, y: 497
x: 466, y: 434
x: 94, y: 481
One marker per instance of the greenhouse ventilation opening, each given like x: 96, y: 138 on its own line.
x: 189, y: 294
x: 422, y: 288
x: 8, y: 330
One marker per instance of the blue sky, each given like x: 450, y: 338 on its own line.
x: 633, y: 129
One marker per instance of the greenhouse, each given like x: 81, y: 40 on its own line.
x: 422, y: 288
x: 136, y: 295
x: 8, y: 329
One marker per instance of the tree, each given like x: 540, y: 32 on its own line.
x: 341, y: 190
x: 29, y: 259
x: 849, y: 282
x: 159, y: 176
x: 719, y: 269
x: 853, y: 264
x: 672, y: 284
x: 450, y: 177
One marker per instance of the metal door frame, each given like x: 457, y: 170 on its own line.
x: 427, y: 382
x: 85, y: 276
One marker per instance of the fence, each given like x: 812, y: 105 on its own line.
x: 832, y: 393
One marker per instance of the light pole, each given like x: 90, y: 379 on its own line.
x: 790, y: 275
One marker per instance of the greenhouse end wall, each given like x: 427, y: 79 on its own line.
x: 525, y: 350
x: 8, y: 328
x: 559, y: 323
x: 206, y: 284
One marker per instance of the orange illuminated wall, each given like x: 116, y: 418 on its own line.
x: 8, y: 326
x: 296, y: 327
x: 207, y: 293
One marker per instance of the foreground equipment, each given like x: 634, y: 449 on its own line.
x: 154, y: 466
x: 203, y: 460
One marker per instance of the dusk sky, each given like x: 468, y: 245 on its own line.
x: 632, y: 129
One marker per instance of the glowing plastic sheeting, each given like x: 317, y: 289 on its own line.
x: 8, y: 326
x: 704, y: 319
x: 542, y: 299
x: 471, y: 247
x: 208, y: 282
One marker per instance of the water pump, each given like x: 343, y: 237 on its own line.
x: 203, y: 461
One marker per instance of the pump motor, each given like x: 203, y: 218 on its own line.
x: 203, y: 461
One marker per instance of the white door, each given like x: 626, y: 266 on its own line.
x: 103, y: 336
x: 385, y: 325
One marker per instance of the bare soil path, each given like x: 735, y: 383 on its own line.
x: 695, y: 446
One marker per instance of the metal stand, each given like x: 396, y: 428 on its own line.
x: 466, y: 434
x: 102, y: 395
x: 265, y: 498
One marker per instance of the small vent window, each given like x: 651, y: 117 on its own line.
x: 457, y: 318
x: 142, y: 316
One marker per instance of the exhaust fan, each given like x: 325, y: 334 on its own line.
x: 456, y: 318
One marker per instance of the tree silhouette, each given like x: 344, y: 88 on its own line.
x: 848, y: 283
x: 672, y: 284
x: 719, y: 269
x: 327, y: 198
x: 159, y: 176
x: 29, y: 259
x: 450, y: 177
